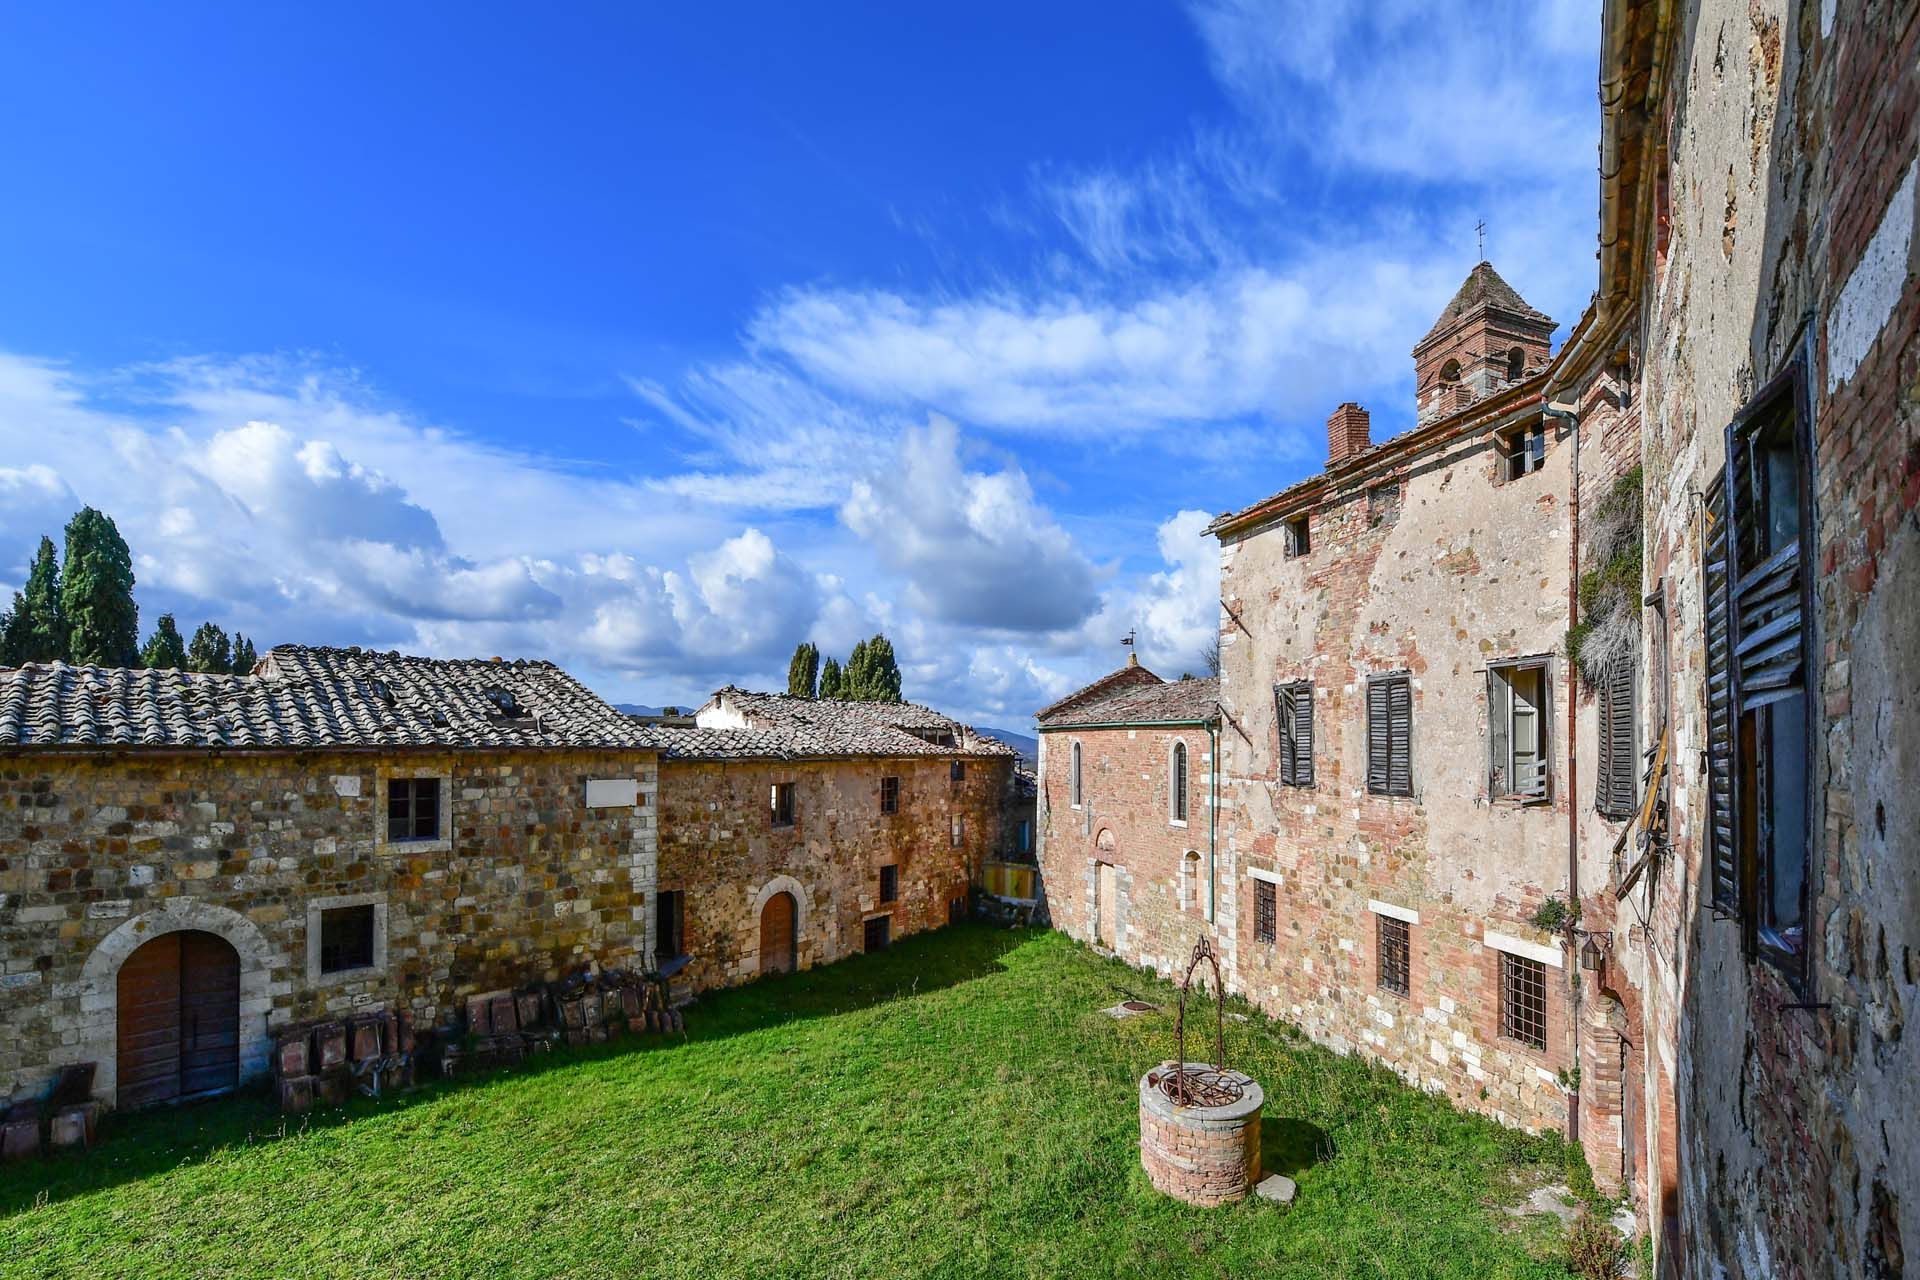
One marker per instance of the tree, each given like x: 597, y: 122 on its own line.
x: 853, y: 677
x: 243, y: 655
x: 165, y: 650
x: 804, y: 671
x: 832, y: 683
x: 210, y: 651
x: 96, y: 593
x: 882, y: 682
x: 35, y: 629
x: 1212, y: 656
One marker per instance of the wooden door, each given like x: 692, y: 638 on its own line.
x: 1107, y: 895
x: 777, y: 934
x: 178, y: 1016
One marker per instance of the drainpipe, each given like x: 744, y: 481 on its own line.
x: 1570, y: 412
x: 1213, y: 809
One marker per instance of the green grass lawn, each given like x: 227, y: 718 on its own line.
x: 957, y: 1106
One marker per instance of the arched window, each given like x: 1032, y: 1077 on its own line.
x: 1516, y: 364
x: 1073, y: 778
x: 1450, y: 371
x: 1177, y: 783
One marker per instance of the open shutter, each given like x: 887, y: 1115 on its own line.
x: 1303, y: 734
x: 1400, y: 756
x: 1714, y: 550
x: 1617, y: 724
x: 1377, y: 736
x: 1498, y: 746
x: 1283, y: 716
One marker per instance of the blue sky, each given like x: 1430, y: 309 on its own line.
x: 653, y: 340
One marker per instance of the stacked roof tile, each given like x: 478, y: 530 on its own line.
x: 777, y: 726
x: 1134, y: 700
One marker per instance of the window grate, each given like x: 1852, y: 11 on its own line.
x: 889, y: 882
x: 889, y: 795
x: 1523, y: 1000
x: 1395, y: 947
x: 346, y: 939
x: 1266, y: 911
x: 413, y: 809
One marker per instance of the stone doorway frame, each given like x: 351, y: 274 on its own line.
x: 779, y: 884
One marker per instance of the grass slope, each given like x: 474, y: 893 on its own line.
x: 956, y: 1107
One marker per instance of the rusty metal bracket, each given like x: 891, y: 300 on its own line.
x: 1202, y: 1088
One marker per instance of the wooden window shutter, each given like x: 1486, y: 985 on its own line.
x: 1400, y: 748
x: 1378, y: 736
x: 1498, y: 712
x: 1283, y: 712
x: 1618, y: 756
x: 1303, y: 734
x: 1723, y: 854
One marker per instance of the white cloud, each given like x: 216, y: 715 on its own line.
x: 974, y: 547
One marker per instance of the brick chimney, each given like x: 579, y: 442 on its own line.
x: 1348, y: 433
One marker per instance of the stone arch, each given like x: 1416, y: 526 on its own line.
x: 99, y: 983
x: 801, y: 901
x: 1105, y: 842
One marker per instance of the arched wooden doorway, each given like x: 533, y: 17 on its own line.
x: 178, y: 1019
x: 777, y: 933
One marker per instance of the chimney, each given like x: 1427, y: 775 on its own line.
x: 1347, y: 433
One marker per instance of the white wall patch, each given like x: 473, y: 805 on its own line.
x: 1392, y: 912
x: 1872, y: 291
x: 1521, y: 947
x: 346, y: 785
x: 612, y: 793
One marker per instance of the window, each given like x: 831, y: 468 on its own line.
x: 889, y: 795
x: 1394, y: 940
x: 1293, y: 706
x: 1177, y: 784
x: 413, y: 809
x: 1450, y: 371
x: 1266, y: 912
x: 1299, y: 540
x: 1614, y: 787
x: 1525, y: 450
x: 1026, y: 835
x: 957, y: 771
x: 1074, y: 794
x: 1516, y: 364
x: 346, y: 939
x: 669, y: 938
x: 889, y: 883
x: 783, y: 804
x: 879, y: 933
x: 959, y: 830
x: 1390, y: 735
x: 1523, y: 1000
x: 1759, y: 722
x: 1519, y: 708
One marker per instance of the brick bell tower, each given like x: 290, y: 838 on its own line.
x: 1486, y: 340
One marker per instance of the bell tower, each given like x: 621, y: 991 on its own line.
x: 1486, y: 340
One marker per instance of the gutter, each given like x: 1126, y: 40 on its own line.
x: 1213, y: 813
x: 1571, y: 415
x: 1128, y: 724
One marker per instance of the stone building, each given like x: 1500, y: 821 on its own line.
x: 1129, y: 854
x: 189, y: 862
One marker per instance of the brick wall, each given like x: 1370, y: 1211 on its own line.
x: 99, y: 852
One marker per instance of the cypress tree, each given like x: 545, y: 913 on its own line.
x: 832, y: 683
x: 243, y: 655
x: 853, y: 680
x: 883, y: 671
x: 96, y: 593
x: 210, y: 651
x: 165, y: 650
x: 803, y: 672
x: 35, y: 629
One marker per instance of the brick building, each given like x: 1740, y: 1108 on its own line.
x: 1129, y: 856
x: 189, y: 863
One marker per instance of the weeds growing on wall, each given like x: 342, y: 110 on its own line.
x: 1610, y: 591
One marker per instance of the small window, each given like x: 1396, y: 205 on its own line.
x: 413, y: 809
x: 957, y: 771
x: 890, y: 882
x: 889, y: 795
x: 1516, y: 364
x: 1390, y: 735
x: 1518, y: 709
x: 783, y: 804
x: 1266, y: 911
x: 1074, y: 793
x: 959, y: 830
x: 346, y: 939
x: 1450, y: 371
x: 1525, y: 450
x: 1293, y: 706
x: 879, y: 933
x: 1026, y: 836
x: 670, y: 941
x: 1523, y: 1000
x: 1299, y: 538
x: 1394, y: 943
x: 1177, y: 783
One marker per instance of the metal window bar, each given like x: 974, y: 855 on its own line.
x: 1523, y: 1000
x: 1266, y: 912
x: 1395, y: 954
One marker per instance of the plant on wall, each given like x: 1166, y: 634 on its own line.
x: 1610, y: 589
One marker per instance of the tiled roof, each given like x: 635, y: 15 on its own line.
x: 786, y: 728
x: 1159, y: 702
x: 302, y: 697
x: 1126, y: 677
x: 1483, y: 287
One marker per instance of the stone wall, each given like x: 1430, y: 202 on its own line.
x: 1792, y: 136
x: 1160, y: 867
x: 719, y: 847
x: 99, y: 852
x: 1461, y: 568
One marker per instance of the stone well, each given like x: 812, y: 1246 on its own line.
x: 1204, y: 1155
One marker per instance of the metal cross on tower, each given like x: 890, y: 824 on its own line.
x: 1480, y: 229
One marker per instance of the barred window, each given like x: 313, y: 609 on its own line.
x: 1266, y: 913
x: 346, y: 938
x: 1523, y: 1000
x: 889, y: 795
x: 1395, y: 948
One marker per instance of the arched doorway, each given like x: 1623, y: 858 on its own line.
x: 178, y: 1019
x: 778, y: 936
